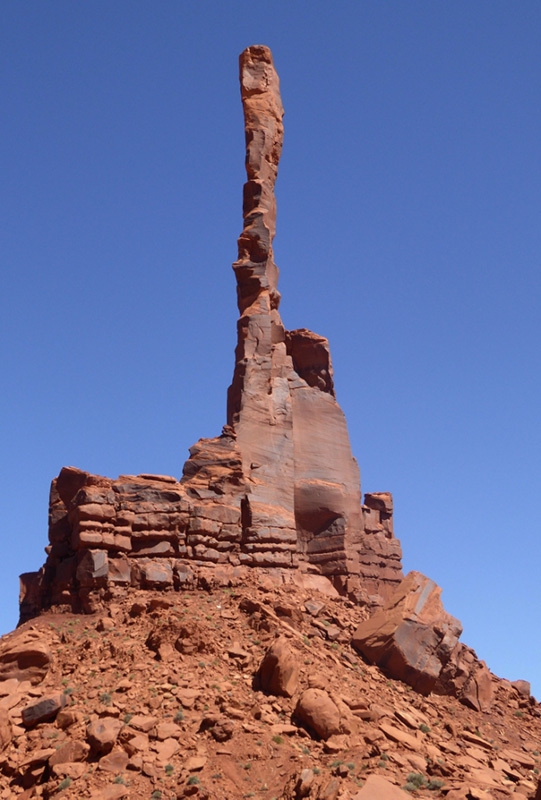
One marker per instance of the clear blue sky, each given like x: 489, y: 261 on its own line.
x: 408, y: 233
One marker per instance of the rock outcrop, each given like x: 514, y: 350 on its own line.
x: 412, y: 637
x: 466, y: 677
x: 279, y: 488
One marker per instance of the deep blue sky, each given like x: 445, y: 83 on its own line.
x: 408, y: 233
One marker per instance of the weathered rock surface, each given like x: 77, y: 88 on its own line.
x: 24, y: 656
x: 466, y: 677
x: 379, y: 788
x: 412, y: 637
x: 279, y: 488
x: 103, y: 733
x: 44, y: 709
x: 279, y: 670
x: 316, y: 710
x: 6, y: 734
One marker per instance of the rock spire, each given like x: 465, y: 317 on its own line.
x: 303, y: 484
x: 279, y: 488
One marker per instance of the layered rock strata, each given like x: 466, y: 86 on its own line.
x: 279, y: 488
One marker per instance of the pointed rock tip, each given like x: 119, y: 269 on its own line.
x: 257, y: 52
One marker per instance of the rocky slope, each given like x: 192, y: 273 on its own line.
x: 164, y: 695
x: 246, y: 631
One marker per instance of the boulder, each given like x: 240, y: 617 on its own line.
x: 523, y: 688
x: 25, y: 656
x: 279, y: 671
x: 69, y: 752
x: 43, y: 710
x: 318, y: 713
x: 411, y: 638
x: 103, y: 733
x: 466, y: 678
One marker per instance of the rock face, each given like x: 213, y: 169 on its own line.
x: 279, y: 488
x: 412, y: 637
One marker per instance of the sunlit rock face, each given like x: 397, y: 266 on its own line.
x: 279, y: 488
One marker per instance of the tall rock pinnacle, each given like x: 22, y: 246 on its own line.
x: 303, y: 487
x: 279, y: 487
x: 263, y: 112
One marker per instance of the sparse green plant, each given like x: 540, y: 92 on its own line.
x: 305, y: 751
x: 415, y: 780
x: 519, y: 713
x: 247, y: 766
x: 384, y: 756
x: 68, y: 690
x: 65, y: 784
x: 278, y: 739
x: 434, y: 784
x: 424, y: 728
x: 217, y: 776
x: 316, y: 770
x: 350, y: 765
x: 193, y: 780
x: 169, y: 769
x: 119, y: 779
x: 127, y: 718
x: 336, y: 763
